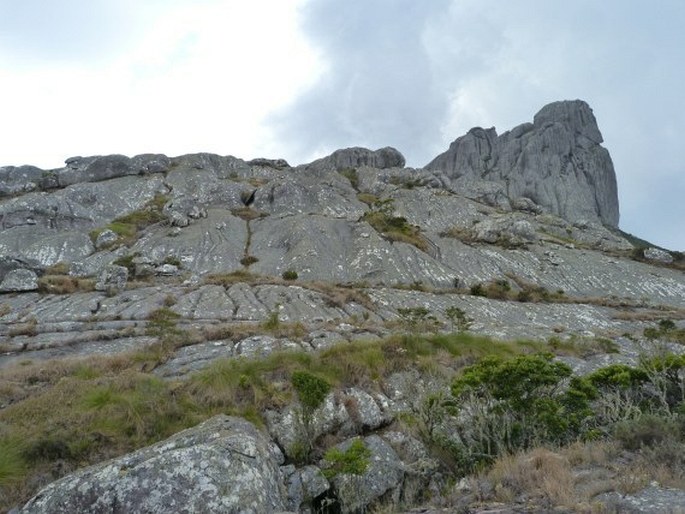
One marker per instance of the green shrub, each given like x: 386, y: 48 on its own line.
x: 248, y: 260
x: 311, y: 389
x: 162, y: 323
x: 351, y: 175
x: 12, y: 464
x: 617, y: 375
x: 353, y: 461
x: 647, y: 430
x: 417, y: 319
x: 477, y: 289
x: 289, y: 275
x: 458, y: 318
x: 127, y: 262
x: 511, y: 404
x: 272, y: 322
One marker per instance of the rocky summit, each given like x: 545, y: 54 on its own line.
x: 208, y: 334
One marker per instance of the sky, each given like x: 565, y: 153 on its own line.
x: 297, y: 79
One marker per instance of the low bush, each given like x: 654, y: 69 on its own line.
x: 394, y: 228
x: 248, y: 260
x: 64, y: 284
x: 289, y: 275
x: 353, y: 461
x: 512, y: 404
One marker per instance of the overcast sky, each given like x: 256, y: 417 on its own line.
x: 300, y: 78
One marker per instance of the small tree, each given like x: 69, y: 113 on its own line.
x: 505, y: 405
x: 458, y: 319
x: 417, y: 319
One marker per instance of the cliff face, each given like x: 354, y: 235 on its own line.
x: 557, y: 162
x: 172, y: 264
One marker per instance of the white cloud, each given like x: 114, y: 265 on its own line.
x: 201, y: 78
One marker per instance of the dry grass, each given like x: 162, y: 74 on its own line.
x: 28, y: 328
x: 539, y: 474
x: 64, y: 284
x: 339, y: 295
x: 248, y: 213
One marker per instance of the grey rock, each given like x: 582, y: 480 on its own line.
x: 19, y: 179
x: 213, y: 244
x: 261, y: 346
x: 167, y: 270
x: 658, y: 255
x: 106, y: 238
x: 112, y: 279
x: 8, y: 264
x: 652, y: 499
x: 383, y: 476
x: 355, y: 157
x: 337, y: 250
x: 19, y: 280
x: 299, y: 194
x: 303, y: 486
x: 363, y: 409
x: 269, y: 163
x: 45, y: 246
x: 556, y: 162
x: 223, y: 465
x: 289, y: 428
x: 525, y: 204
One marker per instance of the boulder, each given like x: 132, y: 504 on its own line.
x: 19, y: 179
x: 19, y: 280
x: 387, y: 157
x: 105, y: 239
x: 303, y: 486
x: 383, y: 476
x: 223, y: 465
x: 658, y: 255
x: 112, y: 279
x: 556, y: 162
x: 278, y: 164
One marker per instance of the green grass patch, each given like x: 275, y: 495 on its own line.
x: 12, y: 465
x: 129, y: 225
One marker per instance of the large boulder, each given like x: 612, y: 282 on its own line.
x: 355, y: 157
x: 382, y: 477
x: 19, y: 280
x: 223, y: 465
x: 557, y: 162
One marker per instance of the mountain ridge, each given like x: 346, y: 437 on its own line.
x: 179, y: 276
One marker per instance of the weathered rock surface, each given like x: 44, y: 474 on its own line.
x: 355, y: 157
x: 19, y: 280
x: 556, y: 162
x: 223, y: 465
x: 382, y: 477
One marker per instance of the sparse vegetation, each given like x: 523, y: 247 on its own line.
x: 234, y: 277
x: 64, y: 284
x: 394, y: 228
x: 469, y: 236
x: 351, y: 175
x: 511, y: 399
x: 248, y: 260
x: 417, y: 319
x: 289, y: 275
x: 248, y: 213
x: 458, y: 319
x: 352, y: 461
x: 128, y: 227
